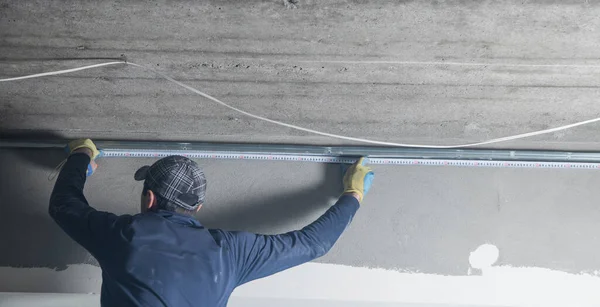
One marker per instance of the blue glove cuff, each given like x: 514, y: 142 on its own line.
x: 90, y: 170
x: 367, y: 182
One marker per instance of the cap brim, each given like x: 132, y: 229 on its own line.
x: 141, y: 173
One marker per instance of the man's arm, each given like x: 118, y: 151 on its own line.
x: 71, y: 211
x: 257, y: 256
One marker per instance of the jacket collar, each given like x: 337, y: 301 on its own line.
x: 179, y: 218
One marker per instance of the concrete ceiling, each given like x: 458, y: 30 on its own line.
x: 297, y: 65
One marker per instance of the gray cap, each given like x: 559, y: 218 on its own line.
x: 176, y: 179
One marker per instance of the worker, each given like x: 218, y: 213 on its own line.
x: 163, y: 256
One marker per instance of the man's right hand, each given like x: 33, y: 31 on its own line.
x: 358, y: 179
x: 87, y: 147
x: 84, y: 143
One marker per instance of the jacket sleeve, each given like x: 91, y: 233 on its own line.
x: 71, y: 211
x: 257, y: 256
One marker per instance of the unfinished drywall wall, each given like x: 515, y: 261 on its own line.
x: 415, y: 219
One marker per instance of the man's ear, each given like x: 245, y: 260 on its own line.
x: 198, y: 209
x: 151, y: 199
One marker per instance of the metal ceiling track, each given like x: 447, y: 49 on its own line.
x: 499, y: 158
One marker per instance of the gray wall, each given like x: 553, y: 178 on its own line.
x: 416, y: 218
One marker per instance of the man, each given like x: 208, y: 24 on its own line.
x: 164, y: 256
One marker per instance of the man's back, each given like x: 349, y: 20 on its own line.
x: 165, y: 258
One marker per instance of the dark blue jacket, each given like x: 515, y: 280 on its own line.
x: 168, y: 259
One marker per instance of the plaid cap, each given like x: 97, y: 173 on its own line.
x: 176, y: 179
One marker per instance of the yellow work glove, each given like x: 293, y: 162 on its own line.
x: 358, y: 178
x: 84, y: 143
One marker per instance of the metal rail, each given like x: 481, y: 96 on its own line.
x: 337, y: 154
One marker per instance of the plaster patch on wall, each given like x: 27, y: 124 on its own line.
x: 497, y: 286
x: 484, y: 256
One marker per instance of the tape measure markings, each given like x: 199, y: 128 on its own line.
x: 347, y: 160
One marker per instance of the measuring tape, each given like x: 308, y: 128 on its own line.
x: 344, y: 160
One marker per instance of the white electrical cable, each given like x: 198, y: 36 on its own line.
x: 492, y: 141
x: 60, y: 72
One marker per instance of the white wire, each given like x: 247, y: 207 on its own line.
x: 492, y: 141
x: 60, y: 72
